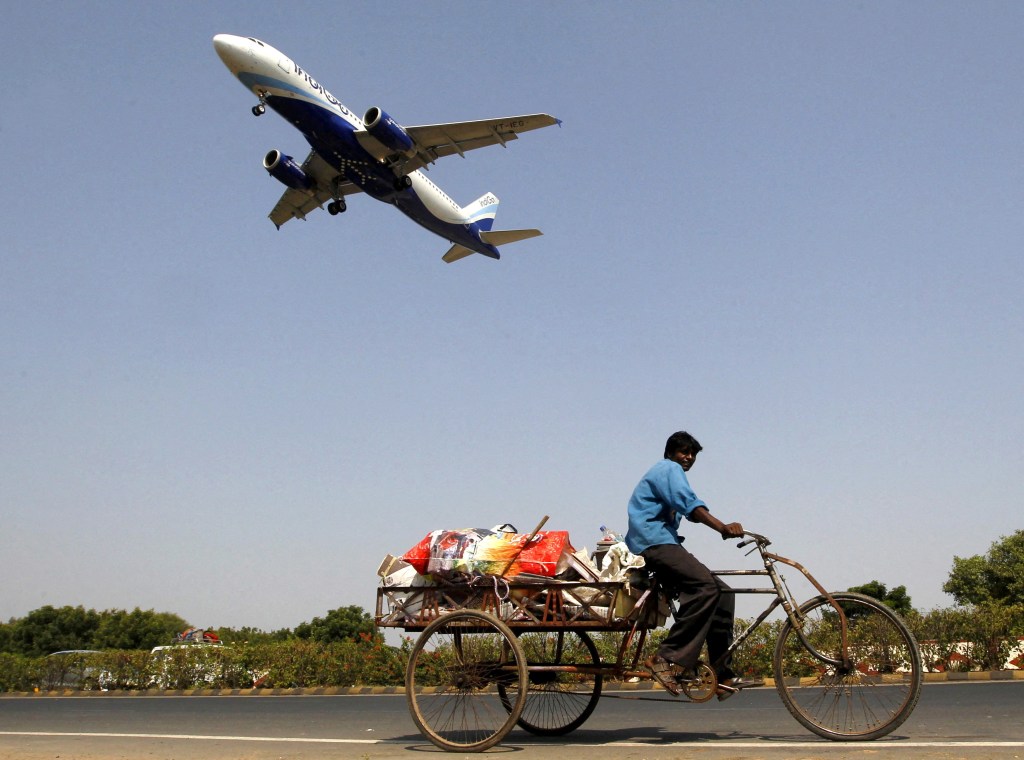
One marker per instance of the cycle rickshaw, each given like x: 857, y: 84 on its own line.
x: 493, y: 653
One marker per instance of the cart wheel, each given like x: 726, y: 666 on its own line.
x: 866, y: 698
x: 448, y: 683
x: 705, y: 687
x: 558, y: 702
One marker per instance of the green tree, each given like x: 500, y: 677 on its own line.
x: 940, y: 634
x: 350, y: 623
x: 897, y: 599
x: 138, y: 629
x: 996, y: 577
x: 249, y: 635
x: 51, y: 629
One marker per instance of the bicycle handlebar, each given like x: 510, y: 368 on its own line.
x: 754, y: 538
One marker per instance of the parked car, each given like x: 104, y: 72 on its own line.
x: 77, y: 669
x: 187, y: 666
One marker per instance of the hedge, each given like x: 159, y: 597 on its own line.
x: 950, y: 639
x: 290, y: 664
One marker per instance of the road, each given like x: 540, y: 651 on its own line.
x: 952, y: 720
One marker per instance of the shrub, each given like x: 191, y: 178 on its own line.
x: 754, y: 657
x: 19, y: 673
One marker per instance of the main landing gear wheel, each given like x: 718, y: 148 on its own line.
x: 559, y: 700
x: 449, y: 683
x: 336, y: 207
x: 403, y: 183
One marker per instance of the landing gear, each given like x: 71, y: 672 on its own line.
x: 403, y: 183
x: 337, y: 205
x: 260, y: 108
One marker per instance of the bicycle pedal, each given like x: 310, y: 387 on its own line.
x: 685, y: 678
x: 724, y: 692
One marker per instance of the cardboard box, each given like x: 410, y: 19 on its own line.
x: 391, y: 564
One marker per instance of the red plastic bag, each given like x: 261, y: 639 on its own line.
x: 543, y: 555
x: 441, y: 550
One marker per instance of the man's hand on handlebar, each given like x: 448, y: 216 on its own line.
x: 731, y: 530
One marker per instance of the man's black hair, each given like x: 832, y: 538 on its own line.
x: 682, y: 442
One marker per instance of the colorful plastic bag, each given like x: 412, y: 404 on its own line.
x: 478, y: 551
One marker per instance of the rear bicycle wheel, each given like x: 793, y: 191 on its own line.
x: 450, y: 681
x: 558, y: 701
x: 866, y: 698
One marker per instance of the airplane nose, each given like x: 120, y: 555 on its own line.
x: 230, y: 48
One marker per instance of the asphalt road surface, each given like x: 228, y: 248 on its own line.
x: 952, y: 720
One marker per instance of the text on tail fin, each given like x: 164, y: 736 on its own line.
x: 482, y: 211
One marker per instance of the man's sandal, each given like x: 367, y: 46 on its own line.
x: 661, y: 670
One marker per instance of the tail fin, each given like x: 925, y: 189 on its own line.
x: 495, y: 238
x: 481, y: 212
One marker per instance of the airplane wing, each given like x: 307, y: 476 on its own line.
x: 295, y: 204
x: 434, y: 141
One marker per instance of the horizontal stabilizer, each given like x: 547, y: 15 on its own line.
x: 456, y: 252
x: 495, y: 238
x: 503, y: 237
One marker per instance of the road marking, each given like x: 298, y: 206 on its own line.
x: 817, y: 744
x: 725, y: 744
x: 104, y: 735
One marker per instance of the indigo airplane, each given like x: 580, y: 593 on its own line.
x: 375, y: 154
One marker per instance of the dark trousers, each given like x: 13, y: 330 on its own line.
x: 705, y: 612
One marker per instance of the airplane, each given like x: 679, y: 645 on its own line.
x: 375, y: 154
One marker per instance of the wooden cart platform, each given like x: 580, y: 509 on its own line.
x: 523, y: 604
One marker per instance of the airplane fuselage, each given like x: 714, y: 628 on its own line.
x: 330, y: 129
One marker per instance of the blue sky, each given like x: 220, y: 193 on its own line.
x: 793, y: 229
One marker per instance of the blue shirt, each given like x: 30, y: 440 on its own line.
x: 659, y: 502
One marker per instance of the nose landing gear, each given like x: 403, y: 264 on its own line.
x: 260, y: 108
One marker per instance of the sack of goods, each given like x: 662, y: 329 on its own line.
x: 479, y: 551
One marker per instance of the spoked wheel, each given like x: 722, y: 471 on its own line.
x: 864, y: 698
x: 450, y: 681
x: 558, y: 701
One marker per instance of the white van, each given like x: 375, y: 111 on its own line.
x: 186, y: 666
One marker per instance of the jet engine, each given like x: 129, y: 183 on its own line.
x: 284, y: 169
x: 387, y: 131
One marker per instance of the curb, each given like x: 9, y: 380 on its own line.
x: 319, y: 691
x: 333, y: 691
